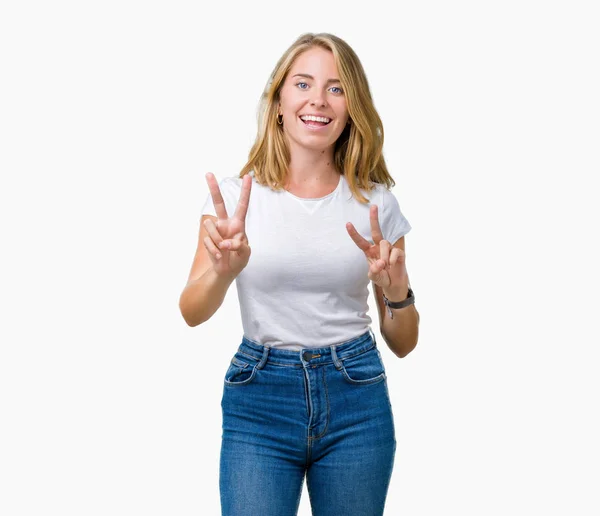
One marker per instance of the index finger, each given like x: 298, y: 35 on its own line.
x: 375, y: 227
x: 217, y: 198
x: 361, y: 242
x: 242, y: 207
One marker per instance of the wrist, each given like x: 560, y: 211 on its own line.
x: 396, y: 294
x: 225, y: 279
x: 398, y: 303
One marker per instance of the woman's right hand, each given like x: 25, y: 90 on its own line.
x: 227, y: 243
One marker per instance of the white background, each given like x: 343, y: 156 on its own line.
x: 112, y: 112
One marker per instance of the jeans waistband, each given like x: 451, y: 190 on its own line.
x: 324, y: 355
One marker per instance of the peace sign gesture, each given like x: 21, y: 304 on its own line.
x: 227, y: 243
x: 387, y: 266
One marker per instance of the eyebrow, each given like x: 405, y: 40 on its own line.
x: 311, y: 77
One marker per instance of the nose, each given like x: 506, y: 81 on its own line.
x: 318, y: 99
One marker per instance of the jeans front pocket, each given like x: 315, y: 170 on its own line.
x: 364, y: 369
x: 241, y: 370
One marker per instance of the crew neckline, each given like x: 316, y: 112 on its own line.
x: 318, y: 198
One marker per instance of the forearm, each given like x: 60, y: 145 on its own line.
x: 402, y: 332
x: 201, y: 298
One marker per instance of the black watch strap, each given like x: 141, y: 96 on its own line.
x: 410, y: 299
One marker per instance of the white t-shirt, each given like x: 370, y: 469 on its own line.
x: 306, y: 283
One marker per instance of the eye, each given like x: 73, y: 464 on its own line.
x: 299, y: 83
x: 339, y: 89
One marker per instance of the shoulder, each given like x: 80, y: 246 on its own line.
x: 377, y: 195
x: 231, y: 187
x: 235, y: 182
x: 388, y: 198
x: 369, y: 194
x: 231, y: 182
x: 384, y: 192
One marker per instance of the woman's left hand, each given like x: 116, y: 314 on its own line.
x: 387, y: 264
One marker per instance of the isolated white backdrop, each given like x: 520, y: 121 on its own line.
x: 111, y: 115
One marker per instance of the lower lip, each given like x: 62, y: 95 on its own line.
x: 314, y: 127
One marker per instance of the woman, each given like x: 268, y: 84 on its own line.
x: 306, y: 391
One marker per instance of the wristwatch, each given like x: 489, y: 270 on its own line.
x: 410, y: 299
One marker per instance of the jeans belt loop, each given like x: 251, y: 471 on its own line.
x: 372, y: 336
x: 263, y: 360
x: 336, y: 360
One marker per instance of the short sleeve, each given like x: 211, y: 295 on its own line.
x: 230, y: 188
x: 394, y: 224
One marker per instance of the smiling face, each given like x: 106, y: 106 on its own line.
x: 312, y: 88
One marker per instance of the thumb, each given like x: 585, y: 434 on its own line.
x: 234, y: 244
x: 377, y: 273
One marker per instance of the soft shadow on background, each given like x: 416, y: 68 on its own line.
x: 112, y: 113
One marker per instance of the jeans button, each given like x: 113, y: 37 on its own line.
x: 307, y: 355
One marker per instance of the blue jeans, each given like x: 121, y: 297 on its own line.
x: 322, y: 412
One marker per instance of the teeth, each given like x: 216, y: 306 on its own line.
x: 316, y: 118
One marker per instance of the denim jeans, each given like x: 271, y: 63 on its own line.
x: 322, y: 412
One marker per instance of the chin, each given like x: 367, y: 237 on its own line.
x: 317, y: 142
x: 316, y: 146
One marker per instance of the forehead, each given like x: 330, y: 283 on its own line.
x: 315, y: 61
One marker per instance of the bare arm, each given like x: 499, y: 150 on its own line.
x: 386, y: 260
x: 202, y: 297
x: 402, y: 332
x: 222, y: 253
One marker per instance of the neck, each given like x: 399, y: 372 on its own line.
x: 313, y: 168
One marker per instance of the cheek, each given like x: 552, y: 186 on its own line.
x: 290, y: 100
x: 290, y: 107
x: 343, y: 119
x: 341, y: 110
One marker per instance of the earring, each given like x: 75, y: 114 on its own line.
x: 280, y: 122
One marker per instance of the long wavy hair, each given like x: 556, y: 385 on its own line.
x: 358, y: 152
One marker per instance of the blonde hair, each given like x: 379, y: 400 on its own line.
x: 358, y: 151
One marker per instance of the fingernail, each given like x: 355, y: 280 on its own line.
x: 218, y: 256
